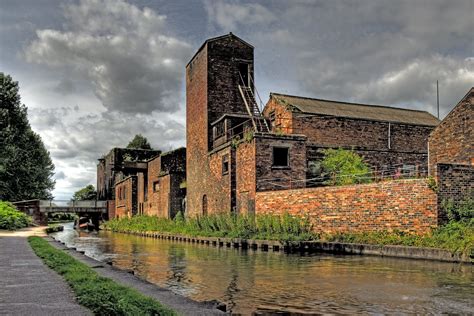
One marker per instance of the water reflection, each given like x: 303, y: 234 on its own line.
x: 250, y: 281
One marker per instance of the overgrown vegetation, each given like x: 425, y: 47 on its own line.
x: 11, y: 218
x: 270, y: 227
x: 345, y: 167
x: 139, y: 142
x: 456, y: 236
x: 461, y: 211
x: 101, y: 295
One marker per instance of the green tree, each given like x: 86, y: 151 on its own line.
x: 139, y: 142
x: 26, y: 169
x: 345, y: 167
x: 86, y: 193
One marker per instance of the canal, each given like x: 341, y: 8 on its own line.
x: 249, y: 281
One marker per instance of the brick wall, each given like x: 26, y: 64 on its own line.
x: 270, y: 177
x: 126, y: 197
x: 455, y: 182
x: 453, y: 139
x: 245, y: 177
x: 405, y: 205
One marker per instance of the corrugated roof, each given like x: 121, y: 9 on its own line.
x: 357, y: 111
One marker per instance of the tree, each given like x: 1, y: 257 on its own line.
x: 345, y: 167
x: 87, y: 193
x: 26, y: 169
x: 139, y: 142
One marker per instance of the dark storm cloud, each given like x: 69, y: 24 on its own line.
x: 134, y: 65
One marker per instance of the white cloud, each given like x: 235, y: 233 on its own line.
x: 134, y: 65
x: 229, y: 15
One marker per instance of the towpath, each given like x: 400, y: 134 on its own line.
x: 27, y: 285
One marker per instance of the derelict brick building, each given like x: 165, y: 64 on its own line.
x: 235, y: 151
x: 153, y: 186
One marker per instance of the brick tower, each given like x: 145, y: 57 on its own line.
x: 215, y: 110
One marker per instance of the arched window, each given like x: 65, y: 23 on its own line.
x: 204, y: 205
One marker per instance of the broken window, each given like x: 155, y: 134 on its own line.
x: 225, y: 164
x: 244, y: 74
x: 281, y: 156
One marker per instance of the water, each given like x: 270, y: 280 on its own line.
x: 249, y: 281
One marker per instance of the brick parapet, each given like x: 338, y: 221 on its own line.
x: 404, y: 205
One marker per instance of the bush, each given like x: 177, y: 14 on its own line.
x: 11, y: 218
x: 345, y: 167
x: 101, y: 295
x: 460, y: 211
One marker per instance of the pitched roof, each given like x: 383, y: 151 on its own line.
x: 356, y: 111
x: 231, y: 35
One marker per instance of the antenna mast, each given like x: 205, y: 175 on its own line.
x: 437, y: 96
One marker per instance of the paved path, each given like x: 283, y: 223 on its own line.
x: 29, y: 287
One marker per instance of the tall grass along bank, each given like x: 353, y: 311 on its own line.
x: 11, y: 218
x: 456, y: 236
x: 101, y: 295
x: 269, y: 227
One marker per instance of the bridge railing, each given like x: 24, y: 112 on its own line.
x: 69, y: 203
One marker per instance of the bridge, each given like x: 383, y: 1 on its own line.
x: 39, y: 209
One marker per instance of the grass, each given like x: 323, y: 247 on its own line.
x: 284, y: 228
x: 11, y: 218
x: 101, y: 295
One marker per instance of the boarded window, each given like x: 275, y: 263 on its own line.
x: 225, y: 164
x: 281, y: 156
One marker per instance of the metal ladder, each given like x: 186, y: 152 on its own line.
x: 253, y: 109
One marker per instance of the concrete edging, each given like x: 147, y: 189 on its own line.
x: 407, y: 252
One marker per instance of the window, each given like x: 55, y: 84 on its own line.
x: 156, y: 186
x: 204, y: 205
x: 244, y: 74
x: 281, y: 156
x: 225, y: 164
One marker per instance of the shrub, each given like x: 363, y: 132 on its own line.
x: 345, y: 167
x: 11, y: 218
x: 463, y: 210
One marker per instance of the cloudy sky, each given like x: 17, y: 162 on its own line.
x: 94, y: 73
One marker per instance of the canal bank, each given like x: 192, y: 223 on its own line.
x: 250, y: 281
x: 182, y: 305
x: 338, y: 248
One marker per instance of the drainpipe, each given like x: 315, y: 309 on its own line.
x: 389, y: 136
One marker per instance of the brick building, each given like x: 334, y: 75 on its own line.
x: 166, y: 188
x: 235, y: 150
x: 117, y: 165
x: 451, y: 154
x: 140, y: 185
x: 453, y: 140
